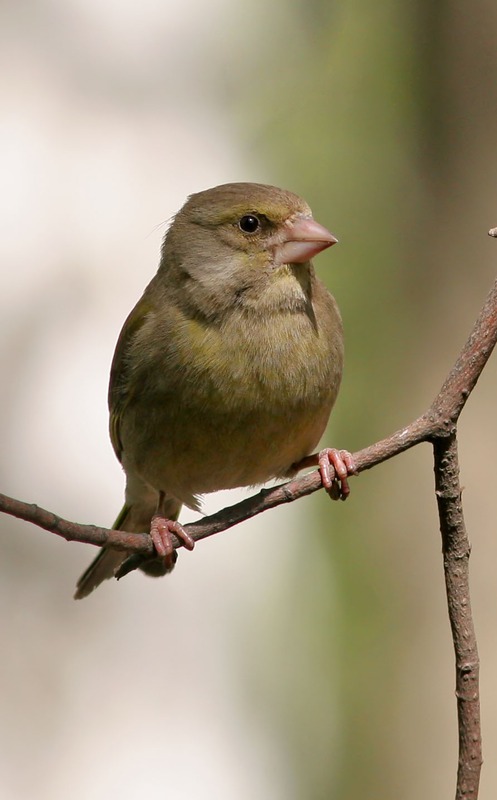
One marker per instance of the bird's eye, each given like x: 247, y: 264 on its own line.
x: 249, y: 223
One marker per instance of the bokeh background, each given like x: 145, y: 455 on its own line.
x: 305, y: 655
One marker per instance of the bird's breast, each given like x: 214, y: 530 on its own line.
x: 282, y: 361
x: 248, y: 399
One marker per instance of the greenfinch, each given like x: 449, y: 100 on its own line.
x: 226, y: 370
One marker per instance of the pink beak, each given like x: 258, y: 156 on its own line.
x: 304, y: 238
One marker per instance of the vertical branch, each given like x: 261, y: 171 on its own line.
x: 456, y: 551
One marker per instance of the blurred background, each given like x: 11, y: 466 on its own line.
x: 262, y: 668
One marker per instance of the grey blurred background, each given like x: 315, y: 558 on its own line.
x: 263, y: 668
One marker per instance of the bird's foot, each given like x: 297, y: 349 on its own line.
x: 161, y: 532
x: 343, y: 465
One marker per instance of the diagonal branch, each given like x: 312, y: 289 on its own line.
x: 437, y: 425
x: 438, y: 421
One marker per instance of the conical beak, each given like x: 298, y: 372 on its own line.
x: 303, y: 239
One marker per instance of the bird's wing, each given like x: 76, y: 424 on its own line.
x: 120, y: 385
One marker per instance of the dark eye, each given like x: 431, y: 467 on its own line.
x: 249, y: 223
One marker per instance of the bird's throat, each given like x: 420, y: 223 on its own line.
x: 288, y: 287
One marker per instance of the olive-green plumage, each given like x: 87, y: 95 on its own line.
x: 227, y: 368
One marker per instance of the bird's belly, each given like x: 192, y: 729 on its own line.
x: 205, y: 455
x: 239, y: 413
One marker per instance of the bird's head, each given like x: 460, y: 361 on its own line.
x: 242, y: 236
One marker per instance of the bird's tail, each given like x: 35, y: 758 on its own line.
x: 133, y: 519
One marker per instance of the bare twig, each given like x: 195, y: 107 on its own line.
x: 456, y: 551
x: 438, y: 425
x: 438, y: 421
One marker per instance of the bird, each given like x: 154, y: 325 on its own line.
x: 226, y: 370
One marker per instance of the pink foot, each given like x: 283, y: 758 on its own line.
x: 343, y: 465
x: 161, y: 532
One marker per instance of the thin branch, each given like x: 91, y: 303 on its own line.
x: 438, y: 425
x: 73, y: 531
x: 456, y: 551
x: 438, y: 421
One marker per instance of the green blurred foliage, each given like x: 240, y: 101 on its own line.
x: 357, y: 107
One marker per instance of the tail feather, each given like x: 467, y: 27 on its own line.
x: 133, y: 519
x: 104, y: 566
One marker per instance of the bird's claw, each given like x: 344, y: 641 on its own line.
x: 161, y: 533
x: 337, y: 485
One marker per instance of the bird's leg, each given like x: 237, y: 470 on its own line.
x: 161, y: 531
x: 343, y: 465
